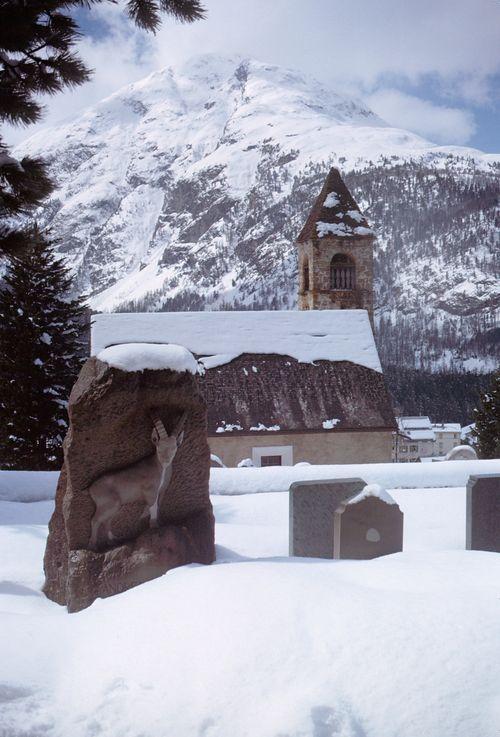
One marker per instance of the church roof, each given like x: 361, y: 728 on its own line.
x: 269, y: 372
x: 270, y: 394
x: 219, y: 337
x: 335, y: 212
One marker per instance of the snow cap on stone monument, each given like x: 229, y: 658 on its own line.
x: 335, y: 213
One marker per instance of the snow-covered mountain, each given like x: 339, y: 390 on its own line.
x: 187, y: 189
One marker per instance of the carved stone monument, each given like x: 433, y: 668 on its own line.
x: 132, y: 499
x: 483, y: 513
x: 312, y: 513
x: 368, y: 525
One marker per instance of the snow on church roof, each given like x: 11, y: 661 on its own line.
x: 219, y: 337
x: 335, y: 212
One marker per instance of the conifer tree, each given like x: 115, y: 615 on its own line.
x: 487, y: 421
x: 40, y: 343
x: 38, y: 56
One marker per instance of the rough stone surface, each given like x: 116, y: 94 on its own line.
x: 312, y: 513
x: 281, y: 392
x: 317, y: 254
x: 367, y: 529
x: 153, y: 553
x: 110, y: 429
x: 483, y: 513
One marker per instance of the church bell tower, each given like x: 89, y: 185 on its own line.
x: 336, y: 253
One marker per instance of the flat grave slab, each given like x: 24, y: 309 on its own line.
x: 483, y: 513
x: 312, y: 512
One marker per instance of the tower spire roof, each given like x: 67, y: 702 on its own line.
x: 335, y: 213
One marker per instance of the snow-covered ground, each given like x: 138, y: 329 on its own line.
x: 33, y: 486
x: 259, y: 644
x: 28, y: 486
x: 389, y: 475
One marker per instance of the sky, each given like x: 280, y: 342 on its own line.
x: 430, y: 66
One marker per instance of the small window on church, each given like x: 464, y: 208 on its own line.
x: 342, y: 272
x: 306, y: 275
x: 270, y: 461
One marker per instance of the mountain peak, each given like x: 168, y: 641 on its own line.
x: 186, y: 189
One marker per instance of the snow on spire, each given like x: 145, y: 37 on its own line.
x: 335, y: 212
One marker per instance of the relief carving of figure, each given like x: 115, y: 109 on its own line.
x: 145, y: 481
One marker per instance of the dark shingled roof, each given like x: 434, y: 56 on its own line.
x: 339, y: 217
x: 257, y: 389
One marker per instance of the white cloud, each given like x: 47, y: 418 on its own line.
x: 358, y: 42
x: 123, y: 55
x: 436, y: 122
x: 360, y: 46
x: 476, y: 89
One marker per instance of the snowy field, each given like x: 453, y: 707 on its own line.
x: 258, y: 644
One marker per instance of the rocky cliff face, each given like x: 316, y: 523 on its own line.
x: 186, y: 191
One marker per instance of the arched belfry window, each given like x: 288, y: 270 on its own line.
x: 306, y: 275
x: 342, y: 272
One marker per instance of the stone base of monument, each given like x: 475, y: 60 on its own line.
x: 368, y: 526
x: 94, y: 575
x: 132, y: 500
x: 483, y: 513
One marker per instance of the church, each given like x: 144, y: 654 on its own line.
x: 284, y: 387
x: 336, y: 253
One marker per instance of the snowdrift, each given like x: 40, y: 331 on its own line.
x: 260, y: 644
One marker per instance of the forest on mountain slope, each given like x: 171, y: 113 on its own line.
x: 443, y: 396
x: 437, y: 228
x: 436, y: 261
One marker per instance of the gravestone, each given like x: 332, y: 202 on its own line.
x: 312, y: 513
x: 368, y: 525
x: 132, y: 500
x: 461, y: 453
x: 483, y: 513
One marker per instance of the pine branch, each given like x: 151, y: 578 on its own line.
x: 146, y: 13
x: 23, y: 184
x: 35, y: 379
x: 186, y: 11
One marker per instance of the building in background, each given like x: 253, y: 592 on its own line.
x: 447, y: 436
x: 291, y: 386
x: 467, y: 434
x: 414, y: 439
x: 418, y: 438
x: 281, y: 387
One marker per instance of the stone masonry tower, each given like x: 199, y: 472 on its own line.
x: 336, y: 253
